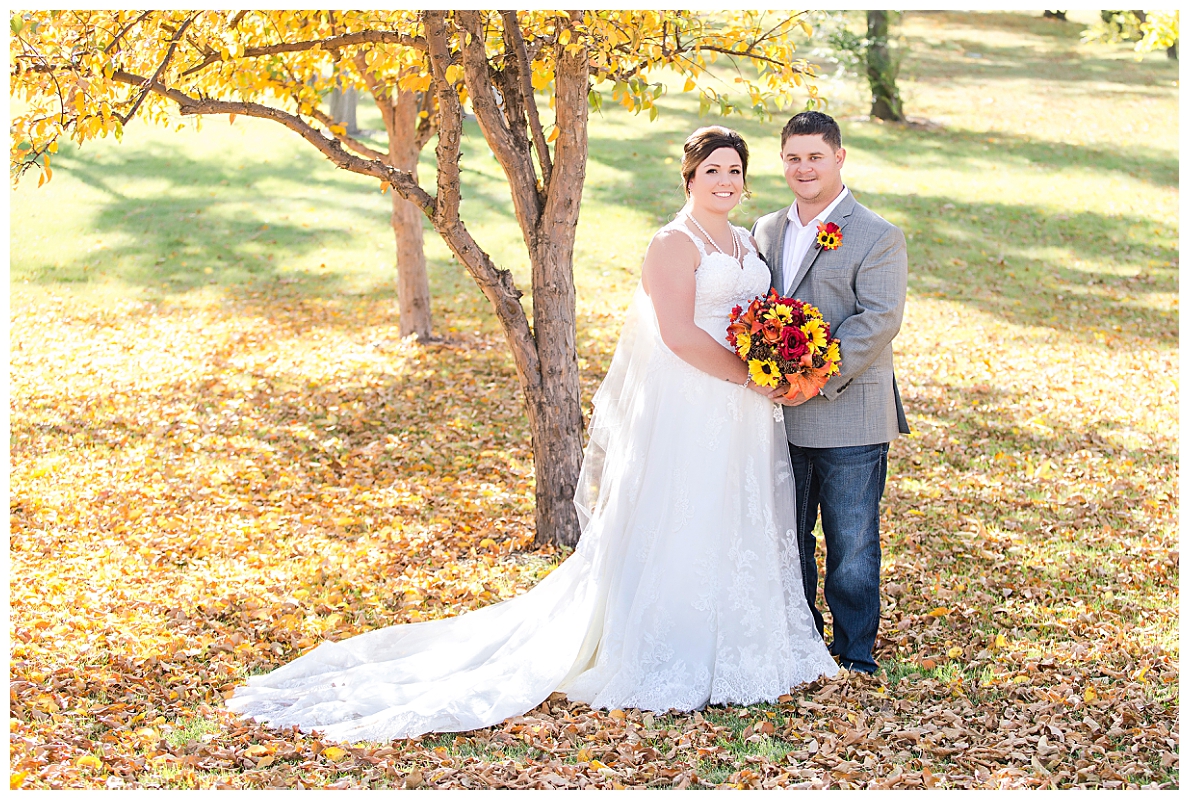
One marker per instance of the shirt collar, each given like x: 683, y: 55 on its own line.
x: 796, y: 219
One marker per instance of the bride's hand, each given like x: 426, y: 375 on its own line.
x: 771, y: 392
x: 795, y: 400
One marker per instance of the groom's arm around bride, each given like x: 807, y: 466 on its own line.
x: 839, y: 439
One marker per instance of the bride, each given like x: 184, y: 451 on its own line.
x: 685, y: 588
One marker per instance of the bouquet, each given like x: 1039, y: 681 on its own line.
x: 782, y: 338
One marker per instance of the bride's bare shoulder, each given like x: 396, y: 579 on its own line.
x: 672, y: 241
x: 671, y: 255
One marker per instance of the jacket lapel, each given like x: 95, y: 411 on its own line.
x: 775, y: 252
x: 839, y: 217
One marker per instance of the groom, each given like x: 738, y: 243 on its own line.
x: 839, y: 438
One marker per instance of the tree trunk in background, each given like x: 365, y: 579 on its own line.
x: 342, y: 108
x: 407, y: 134
x: 881, y: 70
x: 412, y: 278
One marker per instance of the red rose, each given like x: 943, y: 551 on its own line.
x: 793, y: 343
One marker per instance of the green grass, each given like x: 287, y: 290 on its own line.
x: 1006, y: 211
x: 191, y: 730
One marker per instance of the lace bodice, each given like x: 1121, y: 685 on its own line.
x: 721, y: 283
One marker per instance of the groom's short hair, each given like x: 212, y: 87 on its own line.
x: 812, y: 123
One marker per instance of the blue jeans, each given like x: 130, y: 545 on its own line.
x: 846, y: 483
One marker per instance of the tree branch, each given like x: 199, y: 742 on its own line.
x: 177, y: 37
x: 769, y: 32
x: 512, y: 32
x: 497, y: 128
x: 496, y: 284
x: 747, y: 54
x: 495, y: 124
x: 354, y: 144
x: 450, y: 122
x: 572, y: 82
x: 125, y: 29
x: 400, y: 181
x: 330, y: 43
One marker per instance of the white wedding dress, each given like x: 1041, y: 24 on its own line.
x: 685, y: 587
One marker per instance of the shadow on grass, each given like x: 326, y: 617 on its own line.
x: 996, y: 257
x: 1005, y: 21
x: 205, y: 224
x: 209, y: 223
x: 976, y: 59
x: 970, y: 151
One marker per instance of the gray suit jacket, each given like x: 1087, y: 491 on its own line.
x: 860, y: 289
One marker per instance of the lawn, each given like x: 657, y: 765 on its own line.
x: 222, y: 452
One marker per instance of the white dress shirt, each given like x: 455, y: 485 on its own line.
x: 798, y: 238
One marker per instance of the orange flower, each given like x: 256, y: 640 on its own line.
x: 772, y: 326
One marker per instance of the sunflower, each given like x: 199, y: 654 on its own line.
x: 814, y: 335
x: 829, y: 236
x: 781, y: 312
x: 764, y: 373
x: 832, y: 353
x: 743, y: 344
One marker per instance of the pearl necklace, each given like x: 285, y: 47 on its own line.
x: 735, y: 247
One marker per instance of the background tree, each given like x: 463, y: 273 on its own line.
x: 882, y: 68
x: 343, y: 106
x: 867, y: 53
x: 89, y: 73
x: 250, y: 56
x: 1150, y: 30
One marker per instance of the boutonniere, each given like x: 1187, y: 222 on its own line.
x: 829, y: 236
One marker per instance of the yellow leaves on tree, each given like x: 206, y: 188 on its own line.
x: 88, y: 73
x: 81, y: 74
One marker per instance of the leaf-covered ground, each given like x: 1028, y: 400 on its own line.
x: 200, y: 493
x: 206, y: 484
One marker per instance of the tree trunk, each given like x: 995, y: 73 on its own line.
x: 881, y: 70
x: 343, y: 103
x: 547, y: 210
x: 412, y: 278
x: 557, y: 421
x: 406, y: 136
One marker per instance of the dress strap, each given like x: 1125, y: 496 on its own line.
x: 679, y: 225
